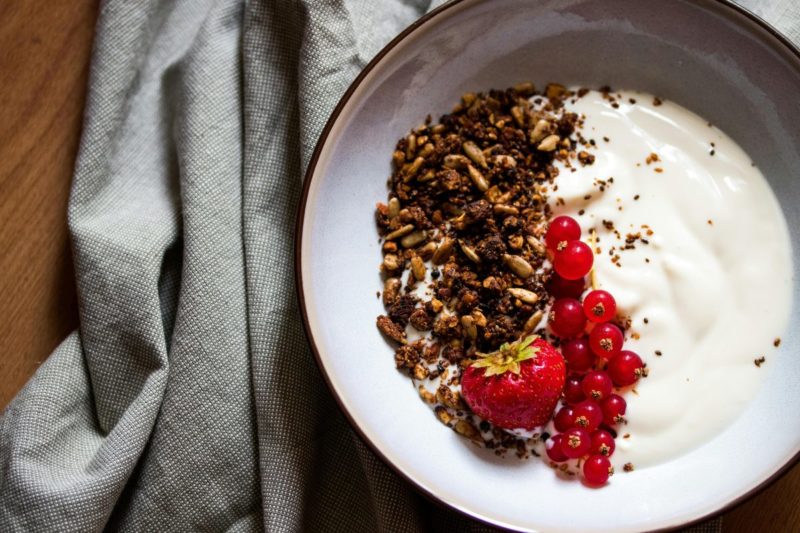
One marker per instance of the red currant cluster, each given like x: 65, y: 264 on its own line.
x: 596, y: 362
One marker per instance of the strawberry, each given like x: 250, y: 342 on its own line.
x: 516, y: 387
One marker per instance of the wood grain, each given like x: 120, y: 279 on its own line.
x: 775, y: 509
x: 44, y: 58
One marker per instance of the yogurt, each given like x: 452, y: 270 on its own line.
x: 710, y: 289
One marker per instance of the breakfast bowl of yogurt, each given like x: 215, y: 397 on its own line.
x: 547, y: 253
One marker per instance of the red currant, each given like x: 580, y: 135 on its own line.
x: 565, y: 288
x: 573, y: 391
x: 577, y: 354
x: 574, y: 261
x: 553, y: 449
x: 564, y: 419
x: 597, y: 385
x: 599, y: 306
x: 614, y: 408
x: 576, y: 442
x: 597, y: 469
x: 602, y: 443
x: 562, y: 229
x: 625, y: 369
x: 587, y: 415
x: 567, y: 318
x: 606, y: 340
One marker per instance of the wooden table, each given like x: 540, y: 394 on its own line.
x: 44, y: 58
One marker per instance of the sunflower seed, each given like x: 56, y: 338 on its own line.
x: 477, y: 178
x: 503, y: 209
x: 444, y: 251
x: 474, y: 153
x: 518, y: 265
x: 428, y: 176
x: 468, y: 323
x: 456, y: 161
x: 529, y: 297
x: 479, y: 318
x: 488, y: 151
x: 539, y: 131
x: 411, y: 146
x: 426, y: 150
x: 391, y: 288
x: 505, y: 161
x: 398, y: 158
x: 400, y: 232
x: 413, y: 239
x: 394, y: 207
x: 519, y: 117
x: 503, y: 198
x: 549, y: 143
x: 439, y: 128
x: 427, y: 251
x: 533, y: 321
x: 525, y: 88
x: 459, y: 222
x: 418, y: 267
x: 536, y: 245
x: 470, y: 252
x: 413, y: 168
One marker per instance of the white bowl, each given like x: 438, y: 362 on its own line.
x: 709, y: 56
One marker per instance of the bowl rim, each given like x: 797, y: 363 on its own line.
x: 308, y: 176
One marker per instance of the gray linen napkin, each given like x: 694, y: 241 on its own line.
x: 189, y: 400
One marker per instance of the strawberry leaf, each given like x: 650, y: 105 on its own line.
x: 528, y: 353
x: 494, y: 371
x: 524, y: 343
x: 508, y: 357
x: 485, y: 362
